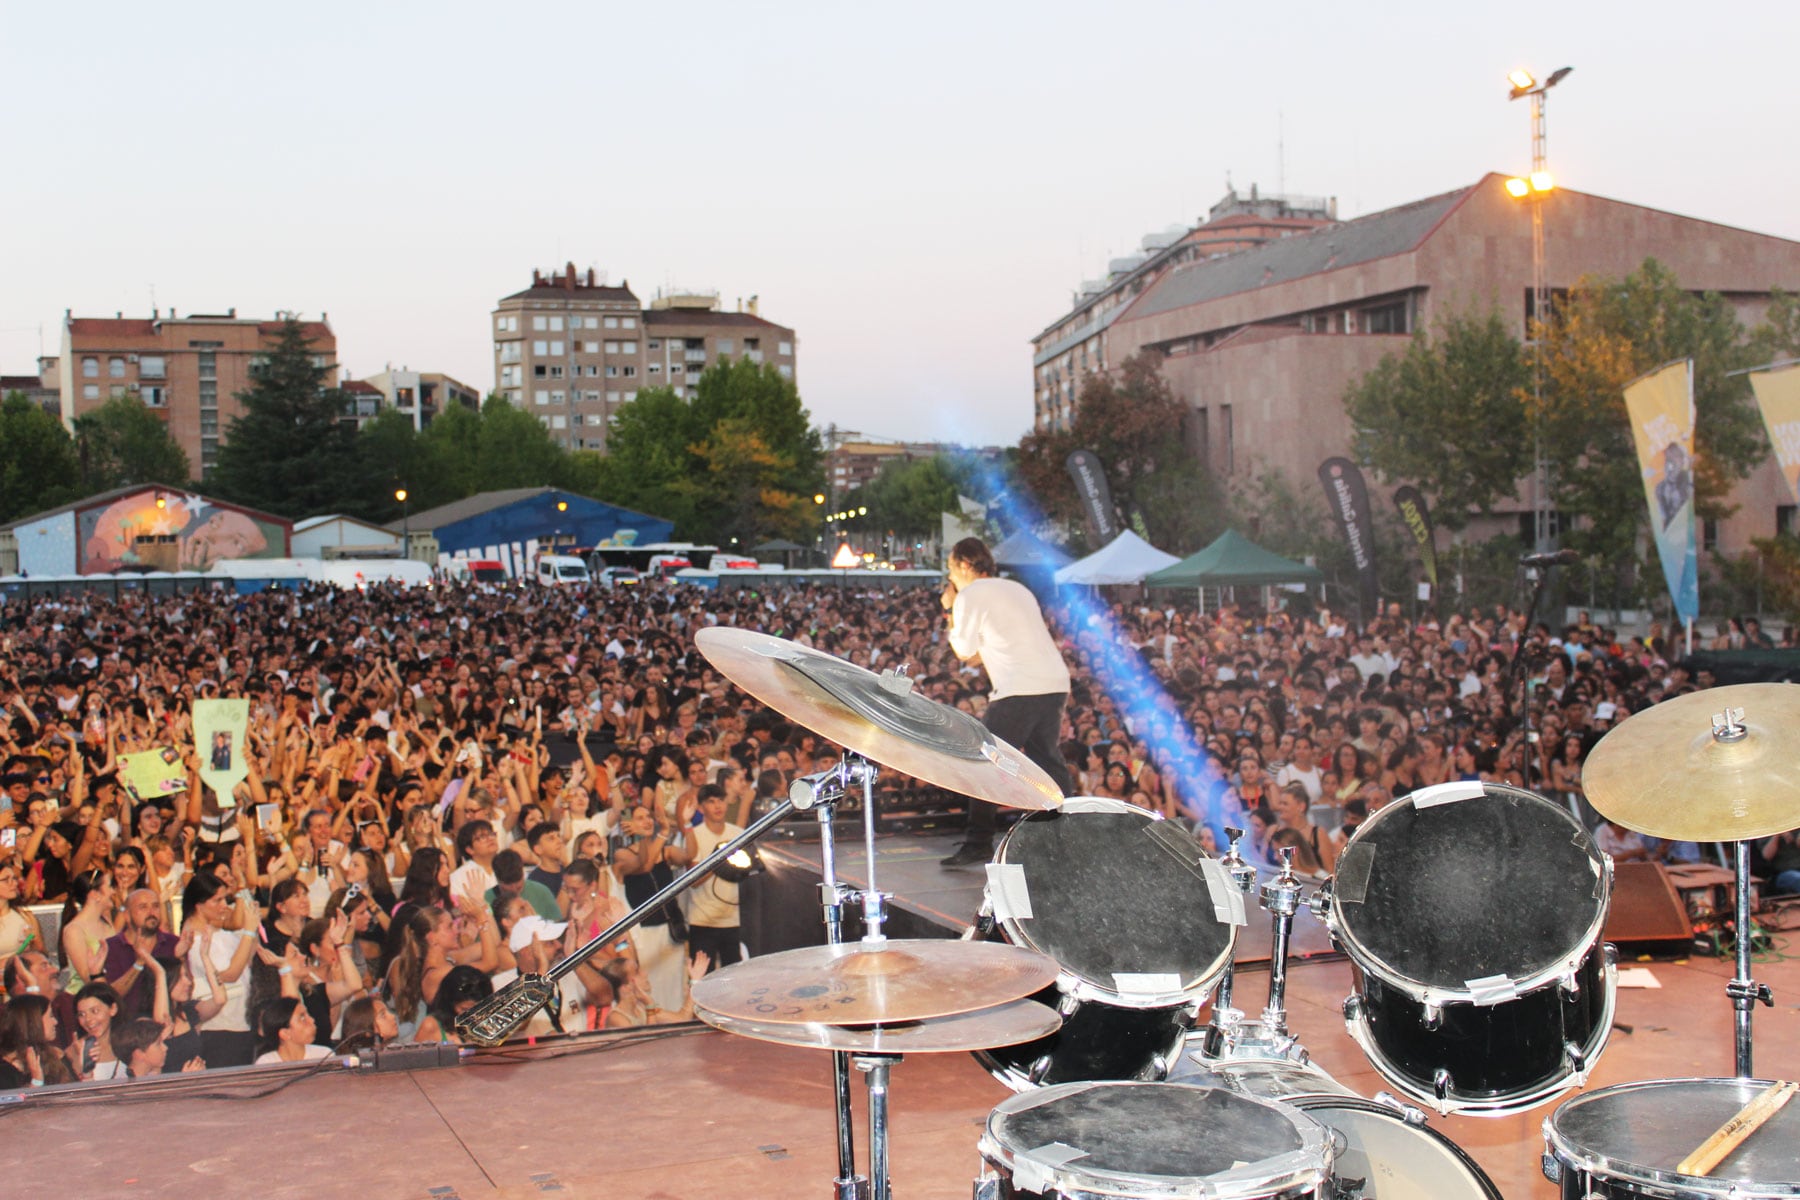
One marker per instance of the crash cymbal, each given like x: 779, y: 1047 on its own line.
x: 985, y: 1029
x: 906, y: 980
x: 879, y: 717
x: 1664, y: 772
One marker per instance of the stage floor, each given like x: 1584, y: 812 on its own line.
x: 692, y: 1113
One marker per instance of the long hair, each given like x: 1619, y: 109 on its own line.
x: 22, y: 1029
x: 404, y: 985
x: 421, y: 884
x: 201, y: 888
x: 271, y: 1019
x: 379, y: 884
x: 81, y: 888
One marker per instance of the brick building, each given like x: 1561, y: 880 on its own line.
x: 1263, y: 343
x: 1075, y: 344
x: 42, y: 389
x: 572, y: 349
x: 187, y: 369
x: 422, y: 395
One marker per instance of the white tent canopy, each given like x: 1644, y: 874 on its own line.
x: 1125, y: 559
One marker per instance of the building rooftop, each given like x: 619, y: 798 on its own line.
x: 134, y: 488
x: 696, y: 316
x: 151, y: 327
x: 569, y: 284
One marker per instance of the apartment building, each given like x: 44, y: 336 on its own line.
x: 572, y: 348
x: 422, y: 395
x: 189, y: 370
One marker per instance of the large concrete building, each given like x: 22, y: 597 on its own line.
x: 1262, y: 344
x: 422, y: 395
x: 189, y: 370
x: 572, y: 348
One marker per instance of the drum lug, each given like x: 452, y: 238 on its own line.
x: 1320, y: 903
x: 1571, y: 985
x: 988, y: 1188
x: 1433, y: 1016
x: 1551, y: 1165
x: 1442, y: 1085
x: 1575, y: 1056
x: 1067, y: 1003
x: 1403, y: 1110
x: 1038, y: 1069
x: 1353, y: 1008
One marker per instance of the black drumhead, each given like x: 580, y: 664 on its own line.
x: 1505, y: 883
x: 1107, y: 897
x: 1149, y: 1129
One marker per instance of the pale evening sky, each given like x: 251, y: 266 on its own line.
x: 915, y: 189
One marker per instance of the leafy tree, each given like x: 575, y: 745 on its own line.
x: 1609, y: 333
x: 1133, y: 423
x: 290, y: 452
x: 1447, y: 414
x: 908, y: 497
x: 452, y: 448
x: 38, y: 469
x: 122, y: 442
x: 1777, y: 338
x: 514, y: 449
x: 740, y: 459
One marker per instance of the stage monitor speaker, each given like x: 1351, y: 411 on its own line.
x: 1648, y: 915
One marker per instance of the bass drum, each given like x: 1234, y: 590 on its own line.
x: 1472, y: 915
x: 1129, y: 906
x: 1382, y: 1153
x: 1152, y: 1141
x: 1626, y: 1142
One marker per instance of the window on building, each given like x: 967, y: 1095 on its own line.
x: 508, y: 324
x: 541, y: 395
x: 612, y: 372
x: 676, y: 368
x: 655, y: 346
x: 752, y: 343
x: 627, y: 322
x: 786, y: 349
x: 1709, y: 534
x: 725, y: 345
x: 1227, y: 436
x: 630, y: 372
x: 1787, y: 519
x: 1389, y: 318
x: 628, y: 347
x: 591, y: 397
x: 787, y: 370
x: 590, y: 322
x: 540, y: 324
x: 540, y: 348
x: 612, y: 322
x: 510, y: 351
x: 154, y: 396
x: 656, y: 368
x: 90, y: 368
x: 556, y: 349
x: 612, y: 397
x: 556, y: 372
x: 540, y: 371
x: 90, y: 391
x: 590, y: 347
x: 630, y: 396
x: 151, y: 366
x: 591, y: 370
x: 558, y: 398
x: 556, y: 324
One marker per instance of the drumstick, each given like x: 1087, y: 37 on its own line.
x: 1732, y: 1133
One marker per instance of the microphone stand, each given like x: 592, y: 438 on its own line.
x: 496, y: 1018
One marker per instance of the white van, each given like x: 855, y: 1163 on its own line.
x: 561, y: 570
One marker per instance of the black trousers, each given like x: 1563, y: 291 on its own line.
x: 1032, y: 723
x: 721, y: 945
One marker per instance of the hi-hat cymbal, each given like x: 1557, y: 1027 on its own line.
x: 906, y: 980
x: 1664, y: 772
x: 985, y: 1029
x: 879, y: 717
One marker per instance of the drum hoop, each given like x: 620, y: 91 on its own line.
x: 1506, y: 1103
x: 1324, y: 1100
x: 1579, y: 1158
x: 1081, y: 987
x: 1426, y: 993
x: 1308, y: 1166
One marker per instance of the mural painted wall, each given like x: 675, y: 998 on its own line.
x: 187, y: 533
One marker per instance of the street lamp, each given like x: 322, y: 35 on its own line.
x: 1533, y: 188
x: 405, y: 523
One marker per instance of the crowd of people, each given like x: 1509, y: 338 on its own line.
x: 450, y: 786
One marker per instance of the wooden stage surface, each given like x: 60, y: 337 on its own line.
x: 691, y: 1113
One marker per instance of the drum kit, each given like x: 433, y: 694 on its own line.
x: 1471, y: 914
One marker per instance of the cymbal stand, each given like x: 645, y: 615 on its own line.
x: 1743, y: 990
x: 1222, y: 1030
x: 822, y: 792
x: 1281, y: 896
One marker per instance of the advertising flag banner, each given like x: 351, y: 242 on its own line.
x: 1661, y: 408
x: 1348, y: 497
x: 1415, y: 514
x: 219, y: 727
x: 1778, y: 395
x: 1096, y: 497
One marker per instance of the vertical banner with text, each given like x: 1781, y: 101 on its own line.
x: 1778, y: 395
x: 1661, y: 408
x: 1348, y: 497
x: 1096, y: 497
x: 1415, y: 514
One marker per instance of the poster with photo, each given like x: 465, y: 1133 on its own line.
x: 219, y: 727
x: 148, y: 774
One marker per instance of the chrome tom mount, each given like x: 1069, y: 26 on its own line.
x: 1230, y: 1035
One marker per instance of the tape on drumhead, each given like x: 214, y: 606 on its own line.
x: 1446, y: 793
x: 1129, y: 983
x: 1008, y: 893
x: 1032, y: 1169
x: 1350, y: 883
x: 1227, y: 900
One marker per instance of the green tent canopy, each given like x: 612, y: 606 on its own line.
x: 1232, y: 561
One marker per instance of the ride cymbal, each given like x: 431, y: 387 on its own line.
x: 984, y: 1029
x: 904, y: 980
x: 1679, y: 771
x: 879, y: 717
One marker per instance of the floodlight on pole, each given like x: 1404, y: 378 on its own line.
x: 1518, y: 187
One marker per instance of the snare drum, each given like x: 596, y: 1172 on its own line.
x: 1168, y: 1141
x: 1127, y: 905
x: 1472, y: 914
x: 1626, y: 1141
x: 1383, y: 1152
